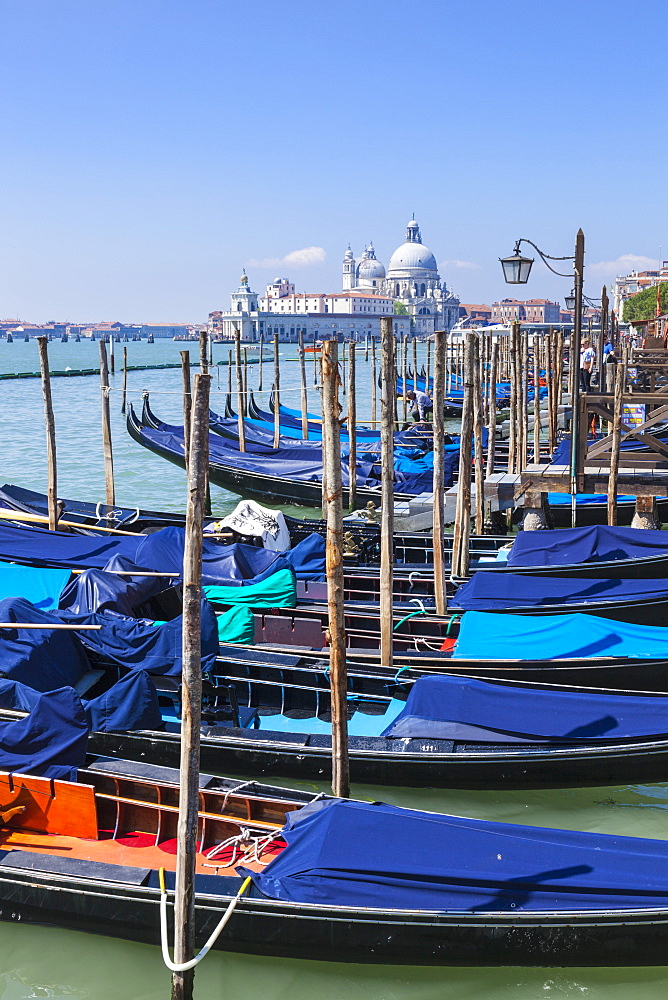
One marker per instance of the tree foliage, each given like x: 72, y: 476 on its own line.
x: 642, y: 305
x: 399, y: 308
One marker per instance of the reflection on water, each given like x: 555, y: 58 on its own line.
x: 48, y: 962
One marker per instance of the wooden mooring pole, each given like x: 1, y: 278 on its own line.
x: 240, y: 391
x: 460, y: 542
x: 106, y: 427
x: 331, y: 440
x: 302, y: 380
x: 439, y: 471
x: 187, y: 404
x: 50, y: 424
x: 277, y: 395
x: 191, y: 693
x: 374, y: 385
x: 388, y: 394
x: 261, y: 363
x: 620, y: 381
x: 352, y: 429
x: 124, y: 397
x: 478, y: 409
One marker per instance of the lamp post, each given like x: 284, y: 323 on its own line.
x: 516, y: 270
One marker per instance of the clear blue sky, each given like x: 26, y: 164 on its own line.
x: 151, y: 148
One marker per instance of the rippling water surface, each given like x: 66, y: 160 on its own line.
x: 48, y: 962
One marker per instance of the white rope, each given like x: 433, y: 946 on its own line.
x: 185, y: 966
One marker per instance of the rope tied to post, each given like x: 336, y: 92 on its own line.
x: 186, y: 966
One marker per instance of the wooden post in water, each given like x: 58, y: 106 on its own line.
x: 620, y: 382
x: 558, y: 379
x: 125, y: 379
x: 388, y: 392
x: 191, y: 693
x: 187, y: 404
x: 460, y: 546
x: 112, y: 360
x: 536, y: 399
x: 261, y: 363
x: 331, y: 447
x: 491, y: 420
x: 415, y: 368
x: 352, y: 429
x: 203, y: 353
x: 524, y: 398
x: 439, y: 471
x: 106, y: 427
x: 476, y: 389
x: 514, y: 398
x: 229, y: 377
x: 240, y: 391
x: 277, y: 395
x: 374, y: 384
x: 428, y: 365
x: 315, y: 359
x: 404, y: 376
x: 302, y: 381
x: 245, y: 400
x: 50, y: 424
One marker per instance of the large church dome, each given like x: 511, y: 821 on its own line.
x: 412, y: 256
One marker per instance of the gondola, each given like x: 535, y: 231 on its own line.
x: 89, y: 514
x: 329, y: 879
x: 279, y: 723
x: 257, y: 476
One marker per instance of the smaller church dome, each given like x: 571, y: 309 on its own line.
x: 371, y: 268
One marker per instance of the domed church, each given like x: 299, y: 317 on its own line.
x: 412, y: 278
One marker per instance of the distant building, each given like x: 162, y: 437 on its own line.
x: 637, y: 281
x: 529, y: 311
x: 286, y: 312
x: 475, y: 315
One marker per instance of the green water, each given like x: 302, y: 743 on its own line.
x: 48, y: 962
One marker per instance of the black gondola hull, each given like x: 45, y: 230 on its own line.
x: 414, y: 762
x: 264, y: 927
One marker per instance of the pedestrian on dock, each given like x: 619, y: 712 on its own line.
x: 422, y: 407
x: 587, y: 355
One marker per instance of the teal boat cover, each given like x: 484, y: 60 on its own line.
x: 40, y: 586
x: 484, y: 636
x: 277, y: 591
x: 237, y: 625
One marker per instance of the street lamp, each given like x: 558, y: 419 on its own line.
x: 516, y: 269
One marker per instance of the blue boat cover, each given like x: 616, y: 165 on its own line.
x: 42, y: 659
x: 361, y: 854
x: 495, y: 591
x: 41, y: 547
x: 130, y: 704
x: 523, y: 637
x: 448, y: 708
x: 307, y: 558
x: 102, y: 590
x: 302, y: 463
x: 599, y: 543
x: 39, y: 585
x: 51, y: 740
x: 137, y: 645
